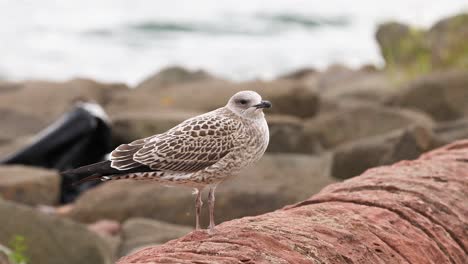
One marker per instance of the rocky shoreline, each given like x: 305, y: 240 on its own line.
x: 325, y: 127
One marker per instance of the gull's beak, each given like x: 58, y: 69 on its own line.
x: 263, y: 104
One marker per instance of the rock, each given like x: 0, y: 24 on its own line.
x: 9, y: 146
x: 109, y: 232
x: 410, y: 212
x: 30, y: 106
x: 417, y: 51
x: 361, y: 85
x: 29, y: 185
x: 172, y: 76
x: 355, y: 157
x: 50, y: 239
x: 4, y: 255
x: 4, y: 258
x: 448, y: 40
x: 286, y: 136
x: 359, y: 120
x: 443, y: 95
x: 141, y: 232
x: 288, y: 97
x: 275, y: 181
x: 369, y: 68
x: 130, y: 126
x: 105, y: 227
x: 285, y: 131
x: 404, y: 48
x: 29, y: 96
x: 338, y: 83
x: 16, y: 124
x: 448, y: 132
x: 299, y: 74
x: 335, y: 74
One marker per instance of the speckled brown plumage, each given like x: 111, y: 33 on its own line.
x: 199, y: 152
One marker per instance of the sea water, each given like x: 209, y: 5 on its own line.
x: 127, y: 40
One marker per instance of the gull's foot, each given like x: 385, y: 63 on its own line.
x: 211, y: 230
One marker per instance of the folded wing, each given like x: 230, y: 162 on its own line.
x: 191, y: 146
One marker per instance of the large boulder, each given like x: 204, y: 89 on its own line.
x: 130, y: 126
x: 404, y: 48
x: 410, y: 212
x: 338, y: 83
x: 448, y: 40
x: 451, y: 131
x: 286, y: 132
x: 9, y: 145
x: 141, y: 232
x: 415, y: 51
x: 300, y: 74
x: 17, y: 124
x: 443, y: 95
x: 286, y: 135
x: 276, y: 180
x: 29, y: 97
x: 359, y: 120
x: 288, y: 97
x: 29, y: 185
x: 28, y: 107
x: 355, y: 157
x: 172, y: 76
x: 50, y: 239
x: 5, y: 254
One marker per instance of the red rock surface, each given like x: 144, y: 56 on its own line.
x: 410, y: 212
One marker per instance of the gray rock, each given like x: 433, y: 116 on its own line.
x: 286, y: 132
x: 414, y: 51
x: 130, y: 126
x: 50, y: 239
x: 277, y: 180
x: 288, y: 97
x: 141, y: 232
x: 448, y: 40
x: 173, y: 75
x: 401, y: 46
x: 359, y: 120
x: 29, y: 97
x: 442, y: 95
x: 450, y: 131
x: 287, y: 136
x: 16, y: 124
x: 4, y: 255
x: 354, y: 158
x: 9, y: 146
x: 29, y: 185
x: 300, y: 74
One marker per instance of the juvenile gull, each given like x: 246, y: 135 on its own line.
x: 199, y: 152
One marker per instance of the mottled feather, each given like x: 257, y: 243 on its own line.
x: 193, y: 145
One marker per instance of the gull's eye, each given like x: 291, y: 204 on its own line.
x: 242, y: 101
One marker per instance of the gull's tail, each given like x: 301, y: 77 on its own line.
x: 99, y: 171
x: 91, y: 172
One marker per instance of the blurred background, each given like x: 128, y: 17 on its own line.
x: 354, y: 85
x: 125, y: 41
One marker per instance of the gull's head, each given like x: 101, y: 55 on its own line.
x: 248, y: 104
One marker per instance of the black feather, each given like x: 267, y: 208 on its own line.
x: 97, y: 170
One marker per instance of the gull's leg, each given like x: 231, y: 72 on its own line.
x: 198, y: 207
x: 211, y: 203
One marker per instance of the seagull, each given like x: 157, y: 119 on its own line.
x: 199, y: 153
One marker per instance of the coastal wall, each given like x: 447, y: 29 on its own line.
x: 409, y: 212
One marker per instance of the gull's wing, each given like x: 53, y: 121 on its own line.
x: 191, y: 146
